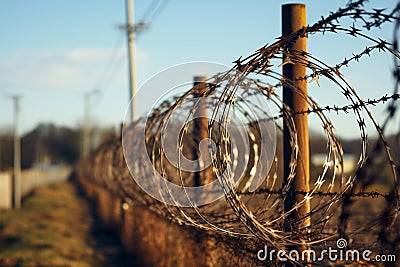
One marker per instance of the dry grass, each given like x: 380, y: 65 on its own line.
x: 54, y: 228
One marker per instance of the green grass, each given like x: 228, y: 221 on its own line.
x: 51, y: 229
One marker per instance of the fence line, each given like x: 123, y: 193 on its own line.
x: 341, y: 205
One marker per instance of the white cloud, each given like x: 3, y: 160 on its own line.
x: 78, y: 68
x: 92, y: 56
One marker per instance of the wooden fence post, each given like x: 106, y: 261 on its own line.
x: 293, y: 19
x: 200, y: 132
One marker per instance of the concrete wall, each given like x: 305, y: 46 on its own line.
x: 30, y: 179
x: 33, y: 178
x: 5, y: 190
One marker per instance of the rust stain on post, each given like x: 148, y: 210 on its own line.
x: 293, y: 19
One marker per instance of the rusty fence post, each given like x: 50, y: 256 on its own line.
x: 293, y: 19
x: 205, y: 176
x: 200, y: 132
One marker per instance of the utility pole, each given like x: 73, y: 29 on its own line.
x: 131, y: 30
x: 293, y: 19
x: 130, y: 26
x: 86, y: 140
x: 17, y: 154
x: 1, y: 158
x: 131, y: 57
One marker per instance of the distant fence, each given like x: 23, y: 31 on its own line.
x: 30, y: 179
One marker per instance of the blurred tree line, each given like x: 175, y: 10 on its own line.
x: 48, y: 144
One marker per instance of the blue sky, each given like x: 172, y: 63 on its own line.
x: 52, y: 52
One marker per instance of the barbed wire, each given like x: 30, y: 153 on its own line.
x: 339, y: 201
x: 361, y: 194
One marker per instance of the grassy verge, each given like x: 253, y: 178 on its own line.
x: 53, y: 228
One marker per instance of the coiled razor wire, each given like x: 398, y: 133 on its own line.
x: 342, y: 206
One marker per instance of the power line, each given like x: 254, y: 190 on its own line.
x: 150, y: 10
x: 115, y: 53
x: 157, y: 11
x: 151, y: 13
x: 119, y: 62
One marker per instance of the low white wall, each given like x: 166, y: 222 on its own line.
x: 33, y: 178
x: 30, y: 179
x: 5, y: 190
